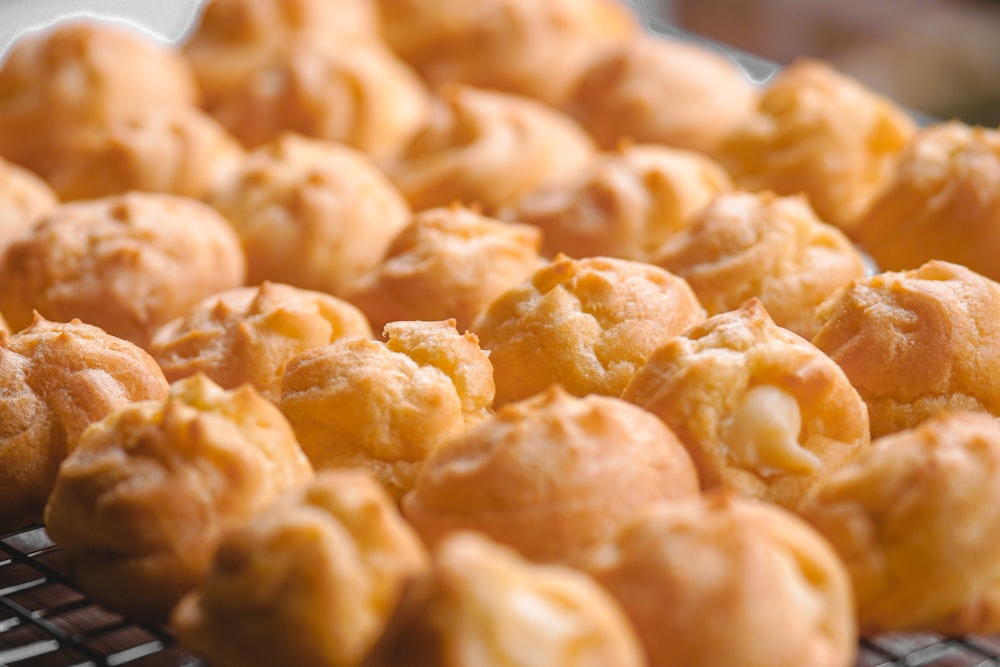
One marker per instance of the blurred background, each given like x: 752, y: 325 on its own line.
x: 941, y: 57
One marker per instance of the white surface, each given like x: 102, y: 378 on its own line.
x: 166, y: 20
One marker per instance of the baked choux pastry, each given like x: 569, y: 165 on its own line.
x: 359, y: 94
x: 661, y: 91
x: 311, y: 581
x: 483, y: 604
x: 916, y: 343
x: 818, y: 132
x: 551, y: 475
x: 524, y: 47
x: 235, y: 38
x: 248, y: 334
x: 941, y: 202
x: 761, y: 410
x: 81, y: 73
x: 484, y: 148
x: 725, y: 580
x: 386, y: 406
x: 624, y: 204
x: 127, y: 264
x: 913, y: 519
x: 24, y: 199
x: 760, y: 245
x: 310, y: 213
x: 448, y: 262
x: 55, y: 380
x: 586, y: 324
x: 181, y: 151
x: 141, y: 503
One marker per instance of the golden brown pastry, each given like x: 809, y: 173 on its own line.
x: 551, y: 475
x: 311, y: 213
x: 311, y: 581
x: 586, y: 324
x: 141, y: 503
x: 127, y: 264
x: 448, y: 262
x: 625, y: 204
x: 55, y: 380
x: 235, y: 38
x: 81, y: 73
x: 661, y: 91
x: 941, y: 202
x: 483, y: 148
x: 358, y: 93
x: 914, y: 520
x: 916, y: 343
x: 386, y: 406
x: 179, y: 150
x: 760, y: 409
x: 248, y: 334
x: 24, y: 199
x: 524, y: 47
x: 818, y: 132
x: 726, y: 580
x: 483, y: 605
x: 758, y: 244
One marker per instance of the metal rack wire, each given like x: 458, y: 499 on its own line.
x: 46, y: 622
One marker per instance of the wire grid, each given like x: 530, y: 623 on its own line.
x: 46, y: 622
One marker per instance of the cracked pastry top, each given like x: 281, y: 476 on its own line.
x: 127, y: 264
x: 913, y: 520
x: 55, y: 380
x: 916, y: 343
x: 248, y: 334
x: 386, y: 405
x: 761, y: 410
x: 448, y: 262
x: 140, y: 504
x: 550, y: 475
x: 586, y: 324
x: 744, y: 245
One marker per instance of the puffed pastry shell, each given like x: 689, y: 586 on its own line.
x: 141, y: 503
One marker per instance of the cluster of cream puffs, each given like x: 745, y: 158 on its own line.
x: 468, y: 333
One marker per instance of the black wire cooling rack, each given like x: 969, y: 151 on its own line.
x: 46, y: 622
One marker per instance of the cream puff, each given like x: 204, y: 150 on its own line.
x: 587, y: 324
x: 761, y: 410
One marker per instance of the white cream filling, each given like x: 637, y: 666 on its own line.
x: 762, y: 434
